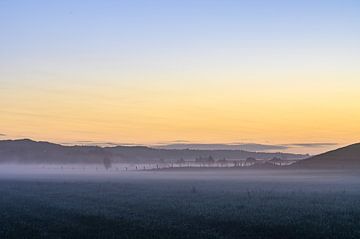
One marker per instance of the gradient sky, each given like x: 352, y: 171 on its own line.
x: 275, y: 72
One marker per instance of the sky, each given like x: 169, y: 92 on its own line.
x: 196, y: 71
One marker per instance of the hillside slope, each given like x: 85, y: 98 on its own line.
x: 343, y: 158
x: 28, y: 151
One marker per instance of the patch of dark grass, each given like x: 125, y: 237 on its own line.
x: 164, y: 208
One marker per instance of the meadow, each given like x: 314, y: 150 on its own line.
x: 181, y: 204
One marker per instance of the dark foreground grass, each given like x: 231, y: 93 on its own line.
x: 181, y: 206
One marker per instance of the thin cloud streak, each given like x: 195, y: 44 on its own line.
x: 246, y: 146
x: 99, y: 143
x: 311, y: 145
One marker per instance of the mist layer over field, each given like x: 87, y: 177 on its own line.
x: 47, y: 202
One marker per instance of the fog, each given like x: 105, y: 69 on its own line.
x: 120, y: 172
x: 88, y: 201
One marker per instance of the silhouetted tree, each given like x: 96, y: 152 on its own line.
x: 180, y: 161
x: 205, y: 160
x: 276, y: 161
x: 107, y: 163
x: 250, y: 160
x: 222, y: 161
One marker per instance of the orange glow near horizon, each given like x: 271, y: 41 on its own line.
x: 208, y: 111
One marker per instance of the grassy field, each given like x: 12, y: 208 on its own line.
x: 203, y: 204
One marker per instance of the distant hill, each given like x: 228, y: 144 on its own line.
x: 29, y: 151
x: 342, y: 158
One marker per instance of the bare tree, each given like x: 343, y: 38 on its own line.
x: 222, y: 162
x: 250, y: 161
x: 107, y: 163
x: 276, y: 161
x: 180, y: 162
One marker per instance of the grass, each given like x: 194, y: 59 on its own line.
x: 178, y: 206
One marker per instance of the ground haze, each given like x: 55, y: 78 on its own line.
x: 180, y: 204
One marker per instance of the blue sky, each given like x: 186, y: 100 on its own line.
x: 123, y: 29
